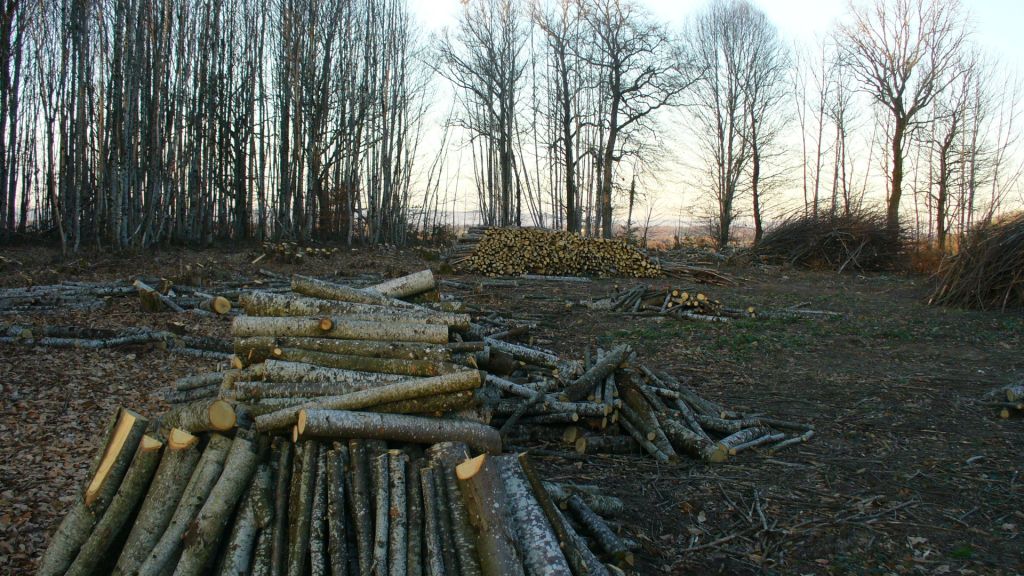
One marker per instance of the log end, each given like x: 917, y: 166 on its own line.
x: 222, y: 415
x: 470, y: 468
x: 326, y: 324
x: 150, y: 444
x: 221, y: 305
x: 179, y: 439
x: 125, y: 422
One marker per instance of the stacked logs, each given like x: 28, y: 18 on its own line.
x: 292, y: 252
x: 677, y: 302
x: 518, y: 251
x: 1008, y: 400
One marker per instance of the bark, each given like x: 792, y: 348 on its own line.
x: 436, y: 548
x: 591, y: 496
x: 341, y: 328
x: 414, y: 560
x: 153, y: 301
x: 240, y: 550
x: 691, y: 443
x: 434, y: 405
x: 337, y: 462
x: 199, y: 381
x: 301, y: 507
x: 262, y: 347
x: 121, y: 439
x: 398, y: 515
x: 332, y: 291
x: 487, y: 503
x: 382, y: 501
x: 589, y: 564
x: 121, y: 509
x: 359, y: 503
x: 282, y: 488
x: 318, y: 532
x: 208, y: 415
x: 597, y: 528
x: 410, y: 389
x: 274, y: 304
x: 574, y: 554
x: 396, y: 427
x: 207, y: 471
x: 607, y: 445
x: 178, y: 461
x: 190, y: 396
x: 279, y: 371
x: 584, y: 385
x: 445, y: 456
x: 541, y: 553
x: 640, y: 411
x: 367, y: 364
x: 405, y: 286
x: 203, y: 536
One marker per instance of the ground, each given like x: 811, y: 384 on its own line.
x: 908, y: 472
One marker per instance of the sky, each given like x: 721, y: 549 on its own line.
x: 996, y: 28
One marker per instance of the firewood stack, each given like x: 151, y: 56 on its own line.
x: 517, y: 251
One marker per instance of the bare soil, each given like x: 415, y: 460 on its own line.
x: 908, y: 473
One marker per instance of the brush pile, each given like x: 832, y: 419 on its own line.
x: 359, y: 431
x: 988, y: 272
x: 292, y: 252
x: 517, y: 251
x: 858, y: 241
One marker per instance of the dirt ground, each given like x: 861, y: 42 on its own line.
x: 908, y: 473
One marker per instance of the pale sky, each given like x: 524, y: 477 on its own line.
x: 996, y: 24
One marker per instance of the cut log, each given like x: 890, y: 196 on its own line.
x: 204, y: 533
x: 368, y: 364
x: 445, y: 456
x: 264, y: 345
x: 359, y: 504
x: 396, y: 427
x: 434, y: 542
x: 300, y: 513
x: 178, y: 461
x: 541, y: 553
x: 597, y: 528
x: 434, y: 405
x: 278, y: 371
x: 285, y: 457
x: 271, y: 304
x: 642, y: 440
x: 414, y: 560
x: 123, y: 434
x: 244, y: 326
x: 607, y: 445
x: 199, y: 381
x: 207, y: 415
x: 190, y: 396
x: 337, y: 528
x: 691, y: 443
x: 382, y: 516
x: 153, y: 301
x: 406, y: 286
x: 590, y: 564
x: 242, y: 542
x: 207, y: 471
x: 398, y: 527
x: 484, y: 494
x: 637, y: 409
x: 121, y: 509
x: 340, y: 292
x: 318, y: 535
x: 585, y: 384
x: 216, y: 304
x: 399, y: 391
x: 571, y: 550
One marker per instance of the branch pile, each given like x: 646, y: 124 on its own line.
x: 857, y: 241
x: 678, y: 302
x: 988, y: 272
x: 518, y: 251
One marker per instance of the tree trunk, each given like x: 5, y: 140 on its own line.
x: 892, y: 215
x: 339, y: 328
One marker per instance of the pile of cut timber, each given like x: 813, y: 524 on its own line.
x: 517, y: 251
x: 678, y: 302
x: 162, y: 500
x: 1009, y: 400
x: 292, y: 252
x: 308, y: 456
x: 96, y: 338
x: 66, y: 296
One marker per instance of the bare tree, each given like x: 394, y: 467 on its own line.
x: 902, y: 51
x: 640, y: 71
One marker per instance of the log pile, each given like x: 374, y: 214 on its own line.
x: 97, y: 338
x: 681, y: 303
x: 359, y: 433
x: 518, y: 251
x: 294, y: 253
x: 55, y: 297
x: 1008, y: 400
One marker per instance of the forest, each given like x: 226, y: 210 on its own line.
x: 131, y: 123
